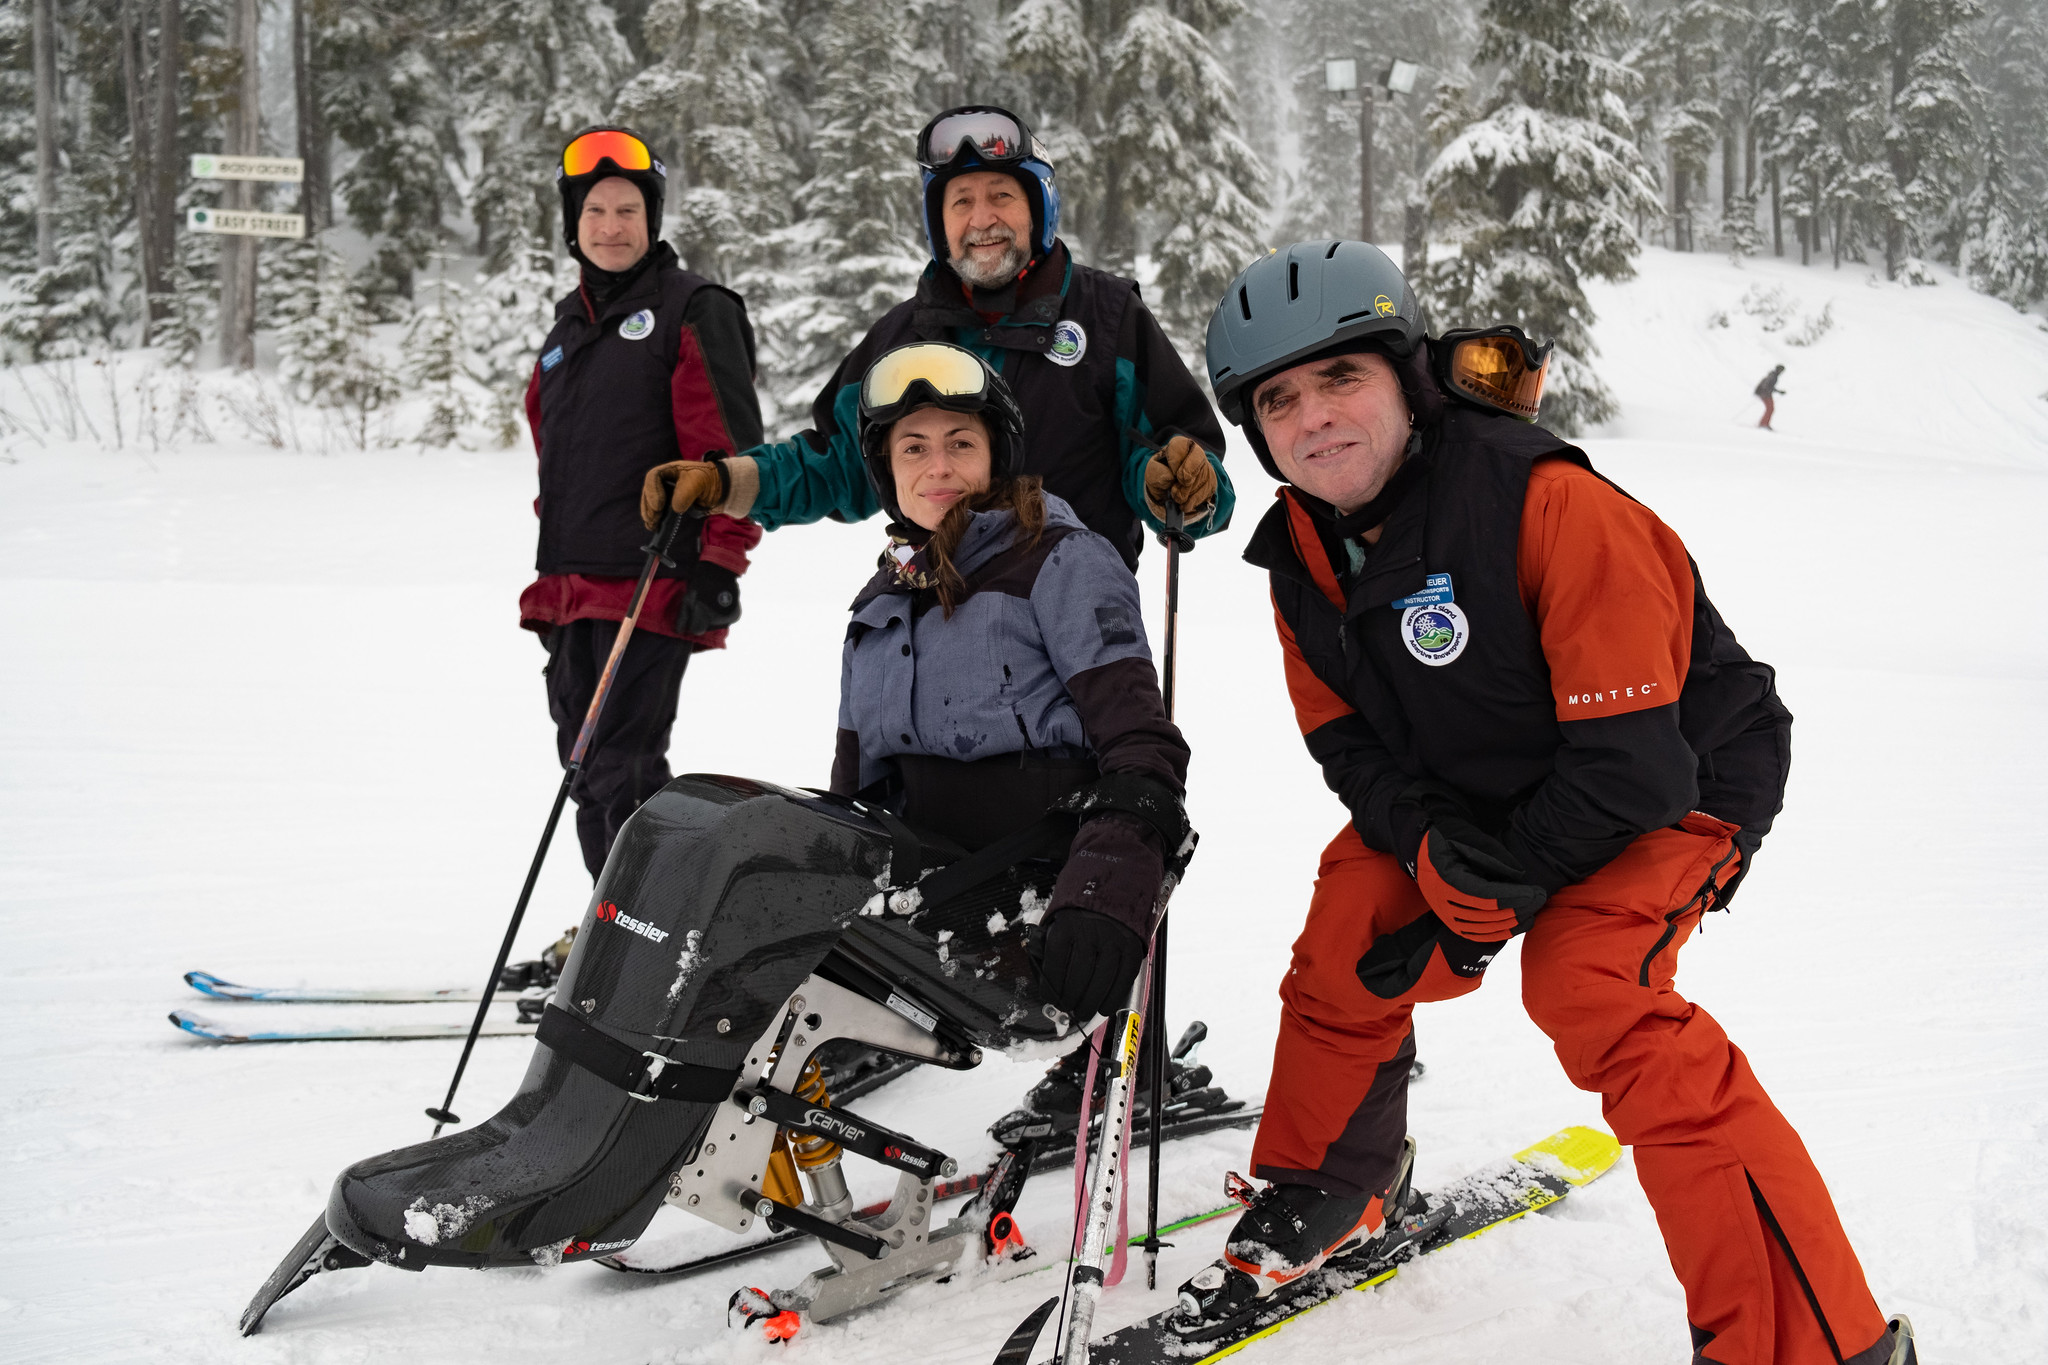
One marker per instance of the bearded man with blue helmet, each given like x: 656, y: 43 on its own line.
x: 1115, y: 424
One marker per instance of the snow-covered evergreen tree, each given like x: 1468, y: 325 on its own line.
x: 710, y: 102
x: 1143, y: 125
x: 508, y: 315
x: 328, y: 357
x: 2004, y: 245
x: 1932, y: 136
x: 859, y: 245
x: 1543, y: 190
x: 434, y: 348
x: 533, y: 72
x: 1202, y: 190
x: 387, y: 95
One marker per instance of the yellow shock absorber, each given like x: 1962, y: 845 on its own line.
x: 812, y: 1151
x: 780, y: 1183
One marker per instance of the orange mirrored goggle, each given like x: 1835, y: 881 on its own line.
x: 626, y: 152
x: 1494, y: 367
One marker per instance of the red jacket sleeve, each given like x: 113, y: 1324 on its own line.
x: 701, y: 429
x: 533, y: 420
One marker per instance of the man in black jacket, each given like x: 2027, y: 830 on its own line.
x: 647, y: 364
x: 1113, y: 421
x: 1539, y: 725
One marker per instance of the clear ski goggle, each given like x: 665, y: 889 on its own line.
x: 986, y: 133
x: 1495, y: 367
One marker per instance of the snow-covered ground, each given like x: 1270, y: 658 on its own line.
x: 268, y: 714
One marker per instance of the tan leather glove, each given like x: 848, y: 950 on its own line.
x: 1180, y: 470
x: 696, y: 483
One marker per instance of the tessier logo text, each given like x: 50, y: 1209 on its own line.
x: 610, y: 913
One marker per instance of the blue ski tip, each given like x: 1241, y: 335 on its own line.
x: 206, y: 983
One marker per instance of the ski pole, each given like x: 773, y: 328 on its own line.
x: 1127, y: 1032
x: 656, y: 550
x: 1175, y: 538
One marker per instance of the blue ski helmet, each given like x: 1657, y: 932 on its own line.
x: 984, y: 137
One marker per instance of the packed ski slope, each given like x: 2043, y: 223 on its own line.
x: 269, y: 715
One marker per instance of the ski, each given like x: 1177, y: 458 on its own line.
x: 202, y: 1027
x: 207, y: 984
x: 1054, y: 1157
x: 1531, y: 1179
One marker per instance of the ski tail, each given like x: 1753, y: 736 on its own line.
x: 219, y: 988
x: 213, y: 1032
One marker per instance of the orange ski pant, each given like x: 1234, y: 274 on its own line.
x: 1752, y: 1233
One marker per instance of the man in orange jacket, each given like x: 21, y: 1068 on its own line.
x: 1540, y: 725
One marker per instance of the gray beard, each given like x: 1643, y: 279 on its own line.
x: 997, y: 276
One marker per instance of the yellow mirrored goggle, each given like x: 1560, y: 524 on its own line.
x: 950, y: 371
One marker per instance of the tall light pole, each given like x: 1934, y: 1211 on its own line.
x: 1340, y: 77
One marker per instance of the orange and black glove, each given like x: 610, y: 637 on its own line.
x: 1478, y: 896
x: 1180, y: 470
x: 679, y: 486
x: 1472, y: 883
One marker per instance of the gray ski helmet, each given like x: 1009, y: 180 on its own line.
x: 1296, y: 302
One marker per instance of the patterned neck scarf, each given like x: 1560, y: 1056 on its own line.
x: 906, y: 557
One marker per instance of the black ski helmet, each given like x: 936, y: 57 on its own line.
x: 1299, y: 302
x: 934, y: 374
x: 653, y: 183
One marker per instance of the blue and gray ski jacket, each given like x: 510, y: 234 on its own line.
x: 1046, y: 653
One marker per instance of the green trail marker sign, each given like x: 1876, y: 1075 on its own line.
x: 246, y: 222
x: 214, y: 166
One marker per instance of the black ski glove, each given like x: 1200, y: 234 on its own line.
x: 1088, y: 963
x: 712, y: 601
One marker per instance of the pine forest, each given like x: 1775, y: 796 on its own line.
x: 1514, y: 149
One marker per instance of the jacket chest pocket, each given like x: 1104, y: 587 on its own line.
x: 880, y: 682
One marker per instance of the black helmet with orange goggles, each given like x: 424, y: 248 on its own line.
x: 598, y: 153
x: 1496, y: 368
x: 934, y: 374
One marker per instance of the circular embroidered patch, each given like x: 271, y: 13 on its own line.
x: 1069, y: 343
x: 1436, y: 635
x: 637, y: 326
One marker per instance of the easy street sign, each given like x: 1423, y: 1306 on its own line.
x: 212, y: 166
x: 246, y: 223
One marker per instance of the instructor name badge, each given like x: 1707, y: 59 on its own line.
x: 637, y: 326
x: 1435, y: 634
x: 1069, y: 343
x: 1436, y: 590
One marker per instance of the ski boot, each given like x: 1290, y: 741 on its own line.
x: 1052, y: 1108
x: 1286, y: 1233
x: 544, y: 970
x: 1899, y: 1334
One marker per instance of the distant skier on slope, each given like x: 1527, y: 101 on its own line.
x: 1540, y: 725
x: 646, y: 363
x: 1765, y: 389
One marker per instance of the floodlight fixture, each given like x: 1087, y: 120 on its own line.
x: 1340, y: 74
x: 1400, y: 77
